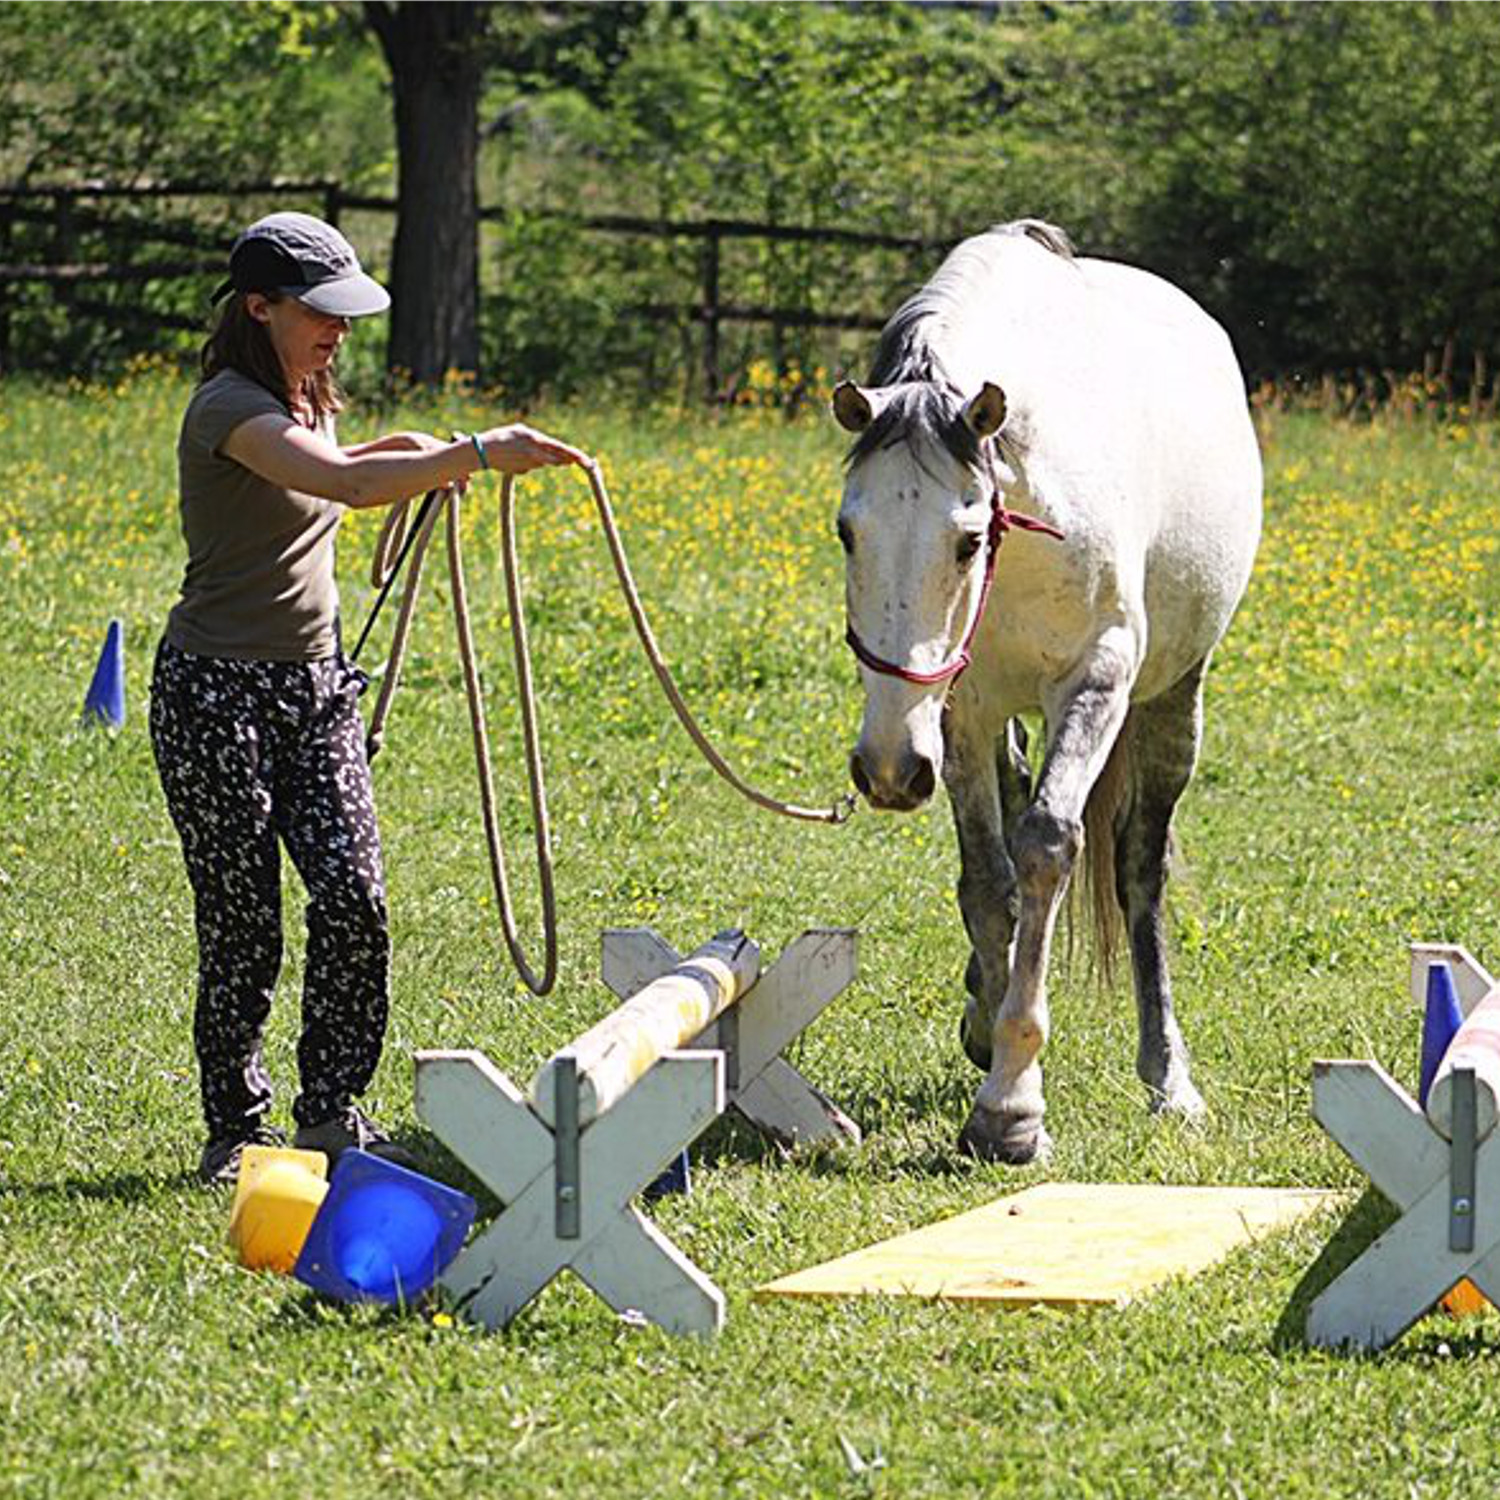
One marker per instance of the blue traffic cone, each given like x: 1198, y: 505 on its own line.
x: 383, y: 1232
x: 105, y: 701
x: 676, y: 1177
x: 1441, y: 1020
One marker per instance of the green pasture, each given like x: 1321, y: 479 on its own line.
x: 1348, y: 801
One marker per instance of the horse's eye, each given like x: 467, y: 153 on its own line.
x: 968, y: 547
x: 846, y: 536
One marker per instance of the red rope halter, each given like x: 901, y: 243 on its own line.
x: 1001, y: 521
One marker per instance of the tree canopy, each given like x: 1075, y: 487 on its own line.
x: 1321, y: 176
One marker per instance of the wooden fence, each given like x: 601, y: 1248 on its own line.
x: 69, y: 213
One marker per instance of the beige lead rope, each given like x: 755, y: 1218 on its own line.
x: 838, y: 813
x: 386, y: 549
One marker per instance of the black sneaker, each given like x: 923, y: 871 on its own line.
x: 353, y: 1130
x: 220, y: 1163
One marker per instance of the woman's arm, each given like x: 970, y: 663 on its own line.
x: 403, y: 441
x: 388, y: 469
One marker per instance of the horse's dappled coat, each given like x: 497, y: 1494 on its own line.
x: 1105, y: 402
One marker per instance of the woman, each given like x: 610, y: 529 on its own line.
x: 254, y: 716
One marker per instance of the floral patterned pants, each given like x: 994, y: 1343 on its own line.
x: 253, y: 755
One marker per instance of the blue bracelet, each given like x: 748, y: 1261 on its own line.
x: 484, y: 463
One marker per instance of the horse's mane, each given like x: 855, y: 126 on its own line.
x: 909, y: 353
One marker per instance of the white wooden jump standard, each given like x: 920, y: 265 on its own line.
x: 608, y: 1112
x: 760, y: 1084
x: 1440, y: 1167
x: 1471, y: 979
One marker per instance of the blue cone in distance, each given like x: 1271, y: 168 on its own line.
x: 1440, y: 1021
x: 676, y: 1177
x: 383, y: 1233
x: 104, y: 702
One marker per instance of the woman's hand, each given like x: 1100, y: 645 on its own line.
x: 518, y: 449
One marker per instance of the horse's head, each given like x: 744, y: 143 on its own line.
x: 918, y: 520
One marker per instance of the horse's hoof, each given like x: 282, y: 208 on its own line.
x: 1180, y: 1100
x: 1013, y: 1141
x: 977, y: 1050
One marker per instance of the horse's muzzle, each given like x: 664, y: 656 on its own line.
x: 902, y: 787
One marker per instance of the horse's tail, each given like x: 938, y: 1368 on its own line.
x: 1101, y: 818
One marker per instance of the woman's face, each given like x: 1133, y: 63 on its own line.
x: 304, y: 340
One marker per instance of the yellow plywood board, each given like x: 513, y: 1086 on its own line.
x: 1063, y: 1244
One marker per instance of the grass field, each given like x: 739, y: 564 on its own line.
x: 1348, y: 802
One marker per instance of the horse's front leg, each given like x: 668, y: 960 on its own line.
x: 975, y: 774
x: 1006, y: 1121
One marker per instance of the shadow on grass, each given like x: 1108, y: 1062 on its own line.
x: 892, y: 1120
x: 1365, y: 1222
x: 890, y: 1145
x: 1443, y: 1340
x: 313, y: 1313
x: 878, y: 1155
x: 114, y: 1187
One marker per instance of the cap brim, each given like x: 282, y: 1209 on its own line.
x: 355, y: 296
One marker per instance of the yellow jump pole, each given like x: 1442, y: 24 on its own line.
x: 667, y: 1014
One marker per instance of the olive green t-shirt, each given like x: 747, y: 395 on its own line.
x: 260, y: 582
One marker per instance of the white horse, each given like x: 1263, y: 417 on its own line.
x: 1105, y: 403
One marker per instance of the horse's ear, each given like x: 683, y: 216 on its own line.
x: 985, y: 414
x: 852, y: 409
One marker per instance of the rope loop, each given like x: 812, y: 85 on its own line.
x: 396, y: 541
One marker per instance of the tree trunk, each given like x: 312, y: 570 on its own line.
x: 436, y: 75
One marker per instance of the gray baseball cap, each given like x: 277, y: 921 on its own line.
x: 303, y: 257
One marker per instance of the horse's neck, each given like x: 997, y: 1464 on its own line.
x: 989, y: 308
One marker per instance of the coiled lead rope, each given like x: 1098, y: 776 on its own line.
x: 392, y: 547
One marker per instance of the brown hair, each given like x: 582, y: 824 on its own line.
x: 239, y: 342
